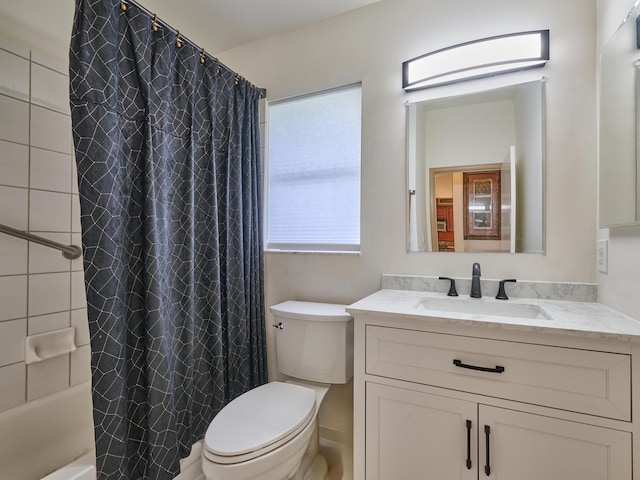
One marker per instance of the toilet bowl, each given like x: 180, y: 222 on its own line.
x: 271, y: 432
x: 264, y: 434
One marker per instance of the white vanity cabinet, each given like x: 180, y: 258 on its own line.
x: 414, y: 435
x: 445, y: 400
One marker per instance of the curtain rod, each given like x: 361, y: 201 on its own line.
x: 69, y: 252
x: 156, y: 22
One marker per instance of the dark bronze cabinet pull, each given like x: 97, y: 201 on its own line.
x: 487, y: 466
x: 468, y: 444
x: 496, y: 369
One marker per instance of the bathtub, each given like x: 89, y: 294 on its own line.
x: 40, y: 436
x: 83, y: 468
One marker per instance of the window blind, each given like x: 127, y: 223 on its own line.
x: 313, y: 180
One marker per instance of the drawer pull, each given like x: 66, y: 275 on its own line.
x: 468, y: 444
x: 496, y: 369
x: 487, y: 466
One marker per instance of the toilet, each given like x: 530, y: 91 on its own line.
x: 271, y: 432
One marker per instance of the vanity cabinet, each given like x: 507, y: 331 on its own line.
x: 411, y: 435
x: 444, y: 401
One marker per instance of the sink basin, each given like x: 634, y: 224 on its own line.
x: 480, y: 307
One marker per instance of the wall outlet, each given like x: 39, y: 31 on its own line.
x: 602, y: 256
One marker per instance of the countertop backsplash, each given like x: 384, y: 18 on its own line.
x: 573, y: 292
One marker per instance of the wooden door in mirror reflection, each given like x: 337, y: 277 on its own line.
x: 446, y: 240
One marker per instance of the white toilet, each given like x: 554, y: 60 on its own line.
x: 271, y: 432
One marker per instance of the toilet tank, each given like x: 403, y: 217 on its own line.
x: 314, y: 341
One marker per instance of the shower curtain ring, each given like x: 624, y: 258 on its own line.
x: 178, y: 41
x: 202, y: 54
x: 123, y: 6
x: 154, y: 23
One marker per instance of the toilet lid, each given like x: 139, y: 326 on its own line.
x: 260, y: 417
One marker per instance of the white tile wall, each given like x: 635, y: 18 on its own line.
x: 49, y: 211
x: 50, y: 130
x: 76, y: 239
x: 13, y: 379
x: 14, y: 120
x: 13, y: 297
x: 49, y: 293
x: 49, y: 89
x: 75, y: 212
x: 47, y: 323
x: 50, y: 170
x: 14, y: 207
x: 40, y: 290
x: 78, y: 292
x: 13, y: 256
x: 12, y: 351
x: 41, y: 259
x: 14, y: 75
x: 14, y: 164
x: 79, y: 322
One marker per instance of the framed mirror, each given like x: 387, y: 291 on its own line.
x: 475, y: 167
x: 619, y: 172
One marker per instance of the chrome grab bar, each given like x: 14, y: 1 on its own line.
x: 70, y: 252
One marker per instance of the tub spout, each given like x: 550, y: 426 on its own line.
x: 476, y: 291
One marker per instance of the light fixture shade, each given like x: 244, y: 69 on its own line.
x: 477, y: 59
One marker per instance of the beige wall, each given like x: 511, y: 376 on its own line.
x: 619, y: 288
x: 369, y: 45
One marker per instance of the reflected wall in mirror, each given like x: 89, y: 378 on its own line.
x: 619, y: 173
x: 475, y: 168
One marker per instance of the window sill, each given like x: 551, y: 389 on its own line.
x: 315, y: 252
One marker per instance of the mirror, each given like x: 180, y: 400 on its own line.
x: 619, y: 175
x: 475, y: 168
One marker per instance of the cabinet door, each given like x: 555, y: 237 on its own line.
x: 531, y: 447
x: 413, y: 435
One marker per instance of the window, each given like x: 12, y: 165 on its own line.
x: 313, y: 178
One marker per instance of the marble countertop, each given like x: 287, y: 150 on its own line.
x: 583, y: 319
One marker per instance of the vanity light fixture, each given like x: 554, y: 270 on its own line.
x: 477, y: 59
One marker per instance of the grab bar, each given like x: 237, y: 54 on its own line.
x: 70, y: 252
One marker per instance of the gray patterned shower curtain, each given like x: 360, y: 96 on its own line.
x: 167, y: 150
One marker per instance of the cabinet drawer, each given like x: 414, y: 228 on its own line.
x: 584, y: 381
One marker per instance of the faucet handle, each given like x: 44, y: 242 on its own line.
x: 502, y: 295
x: 452, y: 286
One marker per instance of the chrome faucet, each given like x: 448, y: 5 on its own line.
x: 476, y: 292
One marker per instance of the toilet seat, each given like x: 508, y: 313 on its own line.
x: 259, y: 421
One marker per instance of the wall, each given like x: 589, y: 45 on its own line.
x: 620, y: 286
x: 462, y: 135
x: 40, y: 291
x: 369, y: 45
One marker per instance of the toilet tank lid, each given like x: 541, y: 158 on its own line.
x: 328, y: 312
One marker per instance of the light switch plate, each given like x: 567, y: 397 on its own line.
x: 602, y: 255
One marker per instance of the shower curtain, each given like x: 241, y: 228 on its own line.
x: 167, y: 151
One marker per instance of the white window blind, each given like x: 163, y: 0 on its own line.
x: 313, y: 180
